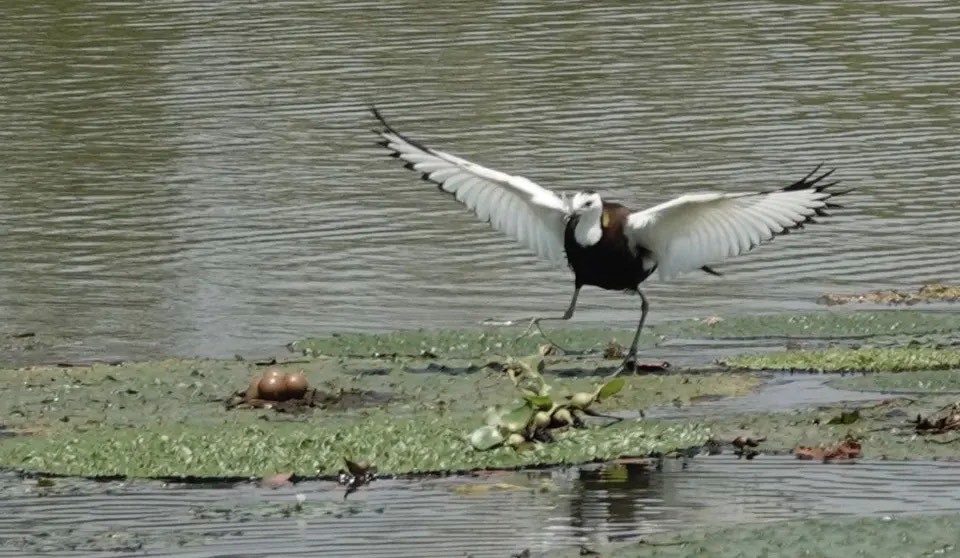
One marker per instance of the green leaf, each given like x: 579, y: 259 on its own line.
x: 491, y: 417
x: 486, y: 437
x: 539, y: 402
x: 610, y: 388
x: 517, y: 419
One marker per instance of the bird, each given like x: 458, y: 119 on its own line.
x: 606, y: 244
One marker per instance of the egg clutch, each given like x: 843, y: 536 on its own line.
x: 277, y: 385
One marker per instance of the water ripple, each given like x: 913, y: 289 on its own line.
x: 210, y: 164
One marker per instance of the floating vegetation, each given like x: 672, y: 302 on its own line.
x: 949, y: 421
x: 540, y: 415
x: 932, y: 292
x: 416, y: 444
x: 490, y: 342
x: 892, y: 359
x: 816, y: 325
x: 846, y: 450
x: 481, y: 342
x: 168, y: 418
x: 885, y: 429
x: 922, y: 381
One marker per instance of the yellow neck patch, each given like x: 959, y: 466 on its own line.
x: 605, y: 220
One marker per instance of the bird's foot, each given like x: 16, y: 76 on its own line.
x: 533, y: 327
x: 631, y: 363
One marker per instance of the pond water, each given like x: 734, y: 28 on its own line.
x: 200, y: 179
x: 449, y: 517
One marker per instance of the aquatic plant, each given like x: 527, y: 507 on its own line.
x: 540, y: 413
x: 843, y: 359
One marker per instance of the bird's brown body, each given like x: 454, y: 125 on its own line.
x: 610, y: 263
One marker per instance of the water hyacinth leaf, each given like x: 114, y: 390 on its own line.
x: 491, y: 417
x: 610, y: 388
x: 518, y: 419
x: 485, y: 438
x: 539, y: 402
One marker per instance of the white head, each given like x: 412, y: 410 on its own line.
x: 588, y: 208
x: 586, y: 203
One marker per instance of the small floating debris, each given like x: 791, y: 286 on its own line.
x: 615, y: 351
x: 847, y: 450
x: 931, y: 292
x: 743, y: 447
x: 845, y: 417
x: 358, y: 473
x: 278, y: 480
x: 946, y: 423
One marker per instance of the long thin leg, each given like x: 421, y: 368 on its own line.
x: 535, y: 322
x: 632, y: 353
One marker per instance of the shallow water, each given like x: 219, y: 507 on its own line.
x: 782, y: 392
x: 439, y: 517
x: 198, y: 178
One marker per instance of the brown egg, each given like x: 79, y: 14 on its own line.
x: 272, y: 388
x: 297, y: 385
x: 273, y: 372
x: 253, y: 390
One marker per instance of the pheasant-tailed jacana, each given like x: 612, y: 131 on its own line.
x: 606, y: 244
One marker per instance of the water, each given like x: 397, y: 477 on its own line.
x: 200, y: 179
x: 778, y: 394
x: 442, y: 518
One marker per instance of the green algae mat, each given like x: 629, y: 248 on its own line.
x: 846, y: 359
x: 508, y: 341
x: 408, y: 401
x: 168, y: 418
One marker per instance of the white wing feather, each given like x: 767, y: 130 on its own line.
x: 514, y: 205
x: 695, y: 230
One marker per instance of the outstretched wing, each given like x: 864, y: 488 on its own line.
x: 695, y: 230
x: 514, y: 205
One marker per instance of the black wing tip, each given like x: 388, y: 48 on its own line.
x: 379, y: 116
x: 388, y: 129
x: 809, y: 181
x: 383, y: 121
